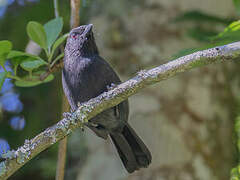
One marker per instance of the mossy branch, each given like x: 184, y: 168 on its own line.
x: 16, y: 159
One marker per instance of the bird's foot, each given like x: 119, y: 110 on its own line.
x: 79, y: 104
x: 111, y: 86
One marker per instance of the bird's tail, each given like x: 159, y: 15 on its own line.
x: 131, y: 149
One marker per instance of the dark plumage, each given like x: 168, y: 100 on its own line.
x: 86, y: 75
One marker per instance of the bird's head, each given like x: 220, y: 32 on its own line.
x: 81, y: 41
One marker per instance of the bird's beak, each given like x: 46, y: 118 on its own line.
x: 88, y: 28
x: 83, y: 30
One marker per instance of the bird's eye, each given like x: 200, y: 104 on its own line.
x: 74, y: 35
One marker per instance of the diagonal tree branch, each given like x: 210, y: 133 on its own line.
x: 16, y: 159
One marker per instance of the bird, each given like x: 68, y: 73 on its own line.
x: 86, y: 75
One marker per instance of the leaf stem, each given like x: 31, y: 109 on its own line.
x: 56, y: 59
x: 50, y: 57
x: 47, y: 53
x: 55, y: 2
x: 13, y: 77
x: 30, y: 74
x: 15, y: 70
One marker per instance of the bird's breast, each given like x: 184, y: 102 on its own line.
x: 83, y: 80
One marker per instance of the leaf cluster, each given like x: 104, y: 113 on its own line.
x: 48, y: 37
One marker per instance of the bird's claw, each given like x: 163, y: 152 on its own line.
x: 111, y: 86
x: 79, y: 104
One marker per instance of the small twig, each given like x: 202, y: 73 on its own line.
x: 31, y: 148
x: 75, y: 17
x: 57, y: 66
x: 55, y: 2
x: 61, y: 159
x: 59, y: 57
x: 62, y: 147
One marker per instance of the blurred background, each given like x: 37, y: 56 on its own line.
x: 186, y: 121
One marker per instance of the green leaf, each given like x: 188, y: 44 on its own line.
x: 17, y: 60
x: 14, y: 54
x: 56, y: 44
x: 17, y: 57
x: 235, y: 175
x: 230, y: 33
x: 49, y: 78
x: 59, y: 41
x: 29, y: 83
x: 237, y: 5
x: 30, y: 64
x: 5, y: 48
x: 2, y: 78
x: 53, y: 29
x: 36, y: 32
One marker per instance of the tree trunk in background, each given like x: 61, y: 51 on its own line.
x: 62, y: 150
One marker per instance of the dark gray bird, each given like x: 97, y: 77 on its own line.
x: 86, y: 75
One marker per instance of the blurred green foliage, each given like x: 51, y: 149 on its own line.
x: 204, y: 32
x: 235, y: 173
x: 231, y: 33
x: 201, y: 17
x: 210, y: 38
x: 237, y: 5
